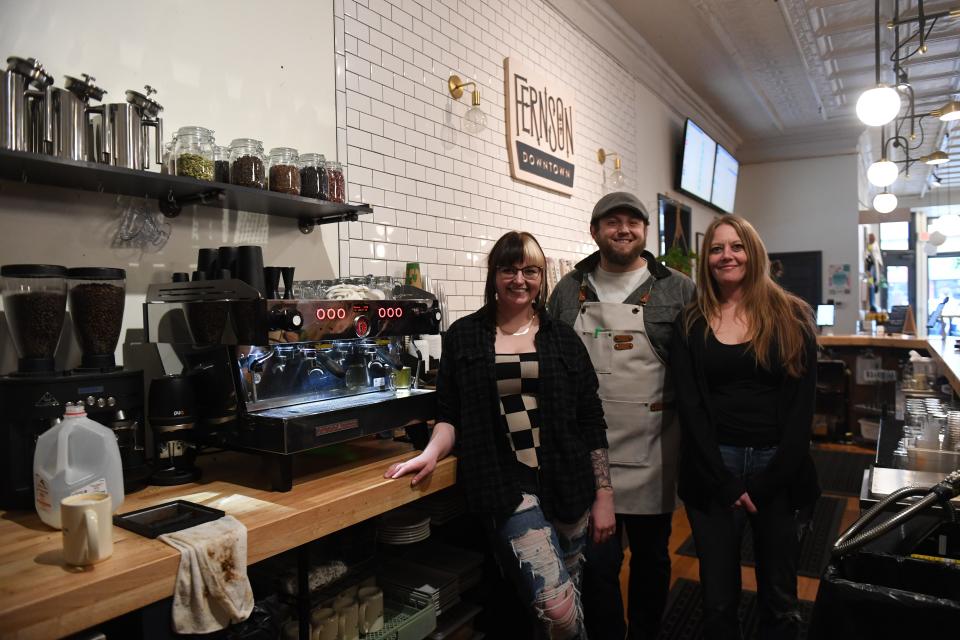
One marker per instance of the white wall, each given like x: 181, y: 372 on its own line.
x: 442, y: 197
x: 808, y: 205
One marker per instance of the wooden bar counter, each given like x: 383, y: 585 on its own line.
x: 41, y: 597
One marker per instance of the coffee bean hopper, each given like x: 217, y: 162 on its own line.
x: 281, y: 377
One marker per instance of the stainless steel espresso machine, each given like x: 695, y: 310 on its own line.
x: 279, y: 377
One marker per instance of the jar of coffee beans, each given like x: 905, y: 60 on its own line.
x: 284, y: 174
x: 313, y: 176
x: 336, y: 185
x: 221, y: 164
x: 247, y: 163
x: 193, y: 153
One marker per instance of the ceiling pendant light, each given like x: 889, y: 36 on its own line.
x: 884, y: 202
x: 883, y: 173
x: 948, y: 112
x: 878, y: 106
x: 935, y: 158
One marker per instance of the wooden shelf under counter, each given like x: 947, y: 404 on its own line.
x: 335, y: 487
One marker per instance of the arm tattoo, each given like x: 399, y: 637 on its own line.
x: 600, y: 459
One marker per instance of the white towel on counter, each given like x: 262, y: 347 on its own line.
x: 212, y: 589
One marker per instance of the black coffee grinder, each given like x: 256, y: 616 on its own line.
x: 173, y: 418
x: 33, y: 398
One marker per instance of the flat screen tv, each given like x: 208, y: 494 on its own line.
x: 696, y: 165
x: 725, y: 170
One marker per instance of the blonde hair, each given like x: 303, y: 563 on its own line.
x: 773, y: 315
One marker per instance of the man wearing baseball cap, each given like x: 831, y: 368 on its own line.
x: 623, y: 302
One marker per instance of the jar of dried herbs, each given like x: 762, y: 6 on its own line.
x: 336, y: 184
x: 221, y: 164
x: 313, y: 176
x: 284, y: 174
x: 193, y: 153
x: 247, y: 163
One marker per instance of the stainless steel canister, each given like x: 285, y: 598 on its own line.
x: 21, y: 108
x: 127, y: 124
x: 74, y: 130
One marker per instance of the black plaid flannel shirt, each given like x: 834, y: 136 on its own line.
x: 571, y: 418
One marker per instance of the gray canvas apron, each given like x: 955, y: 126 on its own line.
x: 642, y: 425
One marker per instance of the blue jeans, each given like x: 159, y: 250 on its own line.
x: 543, y: 558
x: 776, y: 539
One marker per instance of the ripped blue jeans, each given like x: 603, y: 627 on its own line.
x: 543, y: 559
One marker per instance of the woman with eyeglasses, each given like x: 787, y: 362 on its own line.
x: 517, y: 394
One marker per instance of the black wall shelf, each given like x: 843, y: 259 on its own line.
x: 171, y: 192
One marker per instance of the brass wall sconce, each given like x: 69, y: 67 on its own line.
x: 617, y: 180
x: 474, y: 120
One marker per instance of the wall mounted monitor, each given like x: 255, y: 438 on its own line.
x: 725, y: 171
x: 696, y: 165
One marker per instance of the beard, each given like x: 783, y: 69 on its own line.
x: 618, y: 255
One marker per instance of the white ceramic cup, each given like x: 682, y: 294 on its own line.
x: 370, y: 613
x: 347, y: 621
x: 324, y: 624
x: 87, y: 528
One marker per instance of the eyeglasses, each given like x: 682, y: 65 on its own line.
x: 529, y: 273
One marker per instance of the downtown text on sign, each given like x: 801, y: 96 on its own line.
x: 540, y: 127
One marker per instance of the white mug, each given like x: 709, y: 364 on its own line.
x: 87, y: 528
x: 370, y: 613
x: 347, y: 615
x: 324, y: 624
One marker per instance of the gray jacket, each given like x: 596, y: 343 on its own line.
x: 671, y: 291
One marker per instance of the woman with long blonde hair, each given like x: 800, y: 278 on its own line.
x: 745, y: 374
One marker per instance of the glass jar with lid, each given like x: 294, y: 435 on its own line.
x: 283, y: 172
x: 166, y: 160
x: 336, y: 185
x: 247, y: 163
x: 221, y: 164
x: 193, y: 153
x: 313, y: 176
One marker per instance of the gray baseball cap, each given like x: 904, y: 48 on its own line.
x: 619, y: 200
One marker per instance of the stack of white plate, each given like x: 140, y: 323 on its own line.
x: 403, y: 526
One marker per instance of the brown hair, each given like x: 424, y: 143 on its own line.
x: 774, y: 316
x: 511, y: 248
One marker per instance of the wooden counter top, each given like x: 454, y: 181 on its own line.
x: 941, y: 349
x: 894, y: 342
x: 40, y: 597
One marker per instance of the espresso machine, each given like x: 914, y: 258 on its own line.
x: 278, y: 377
x: 34, y: 396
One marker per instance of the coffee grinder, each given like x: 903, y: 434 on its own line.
x: 173, y: 417
x: 33, y: 397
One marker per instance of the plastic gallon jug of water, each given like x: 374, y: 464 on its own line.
x: 78, y: 455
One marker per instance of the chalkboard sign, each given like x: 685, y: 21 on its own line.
x: 898, y: 314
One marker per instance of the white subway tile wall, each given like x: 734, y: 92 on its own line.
x: 442, y: 197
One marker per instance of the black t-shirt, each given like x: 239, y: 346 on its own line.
x: 743, y: 394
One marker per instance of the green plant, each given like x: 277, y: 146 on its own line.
x: 679, y: 258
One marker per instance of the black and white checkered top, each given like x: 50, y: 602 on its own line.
x: 518, y: 385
